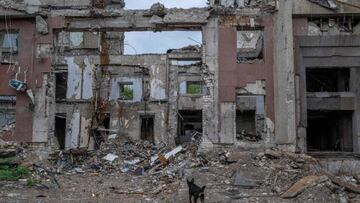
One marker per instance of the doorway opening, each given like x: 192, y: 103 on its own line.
x: 147, y: 128
x: 189, y: 123
x: 60, y: 129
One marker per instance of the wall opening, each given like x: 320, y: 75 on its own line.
x: 106, y: 121
x: 189, y: 124
x: 61, y: 85
x: 250, y: 117
x: 9, y: 47
x: 147, y: 42
x: 192, y: 88
x: 146, y: 4
x: 250, y: 46
x: 60, y: 129
x: 246, y: 125
x: 329, y: 131
x: 147, y: 128
x: 126, y: 91
x: 327, y: 79
x: 339, y: 25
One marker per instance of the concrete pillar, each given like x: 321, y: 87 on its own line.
x: 44, y: 112
x: 355, y: 88
x: 210, y: 76
x: 284, y: 78
x: 228, y: 122
x: 173, y: 104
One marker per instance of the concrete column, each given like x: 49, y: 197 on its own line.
x: 173, y: 104
x: 355, y: 88
x: 284, y: 78
x: 44, y: 112
x: 228, y: 122
x: 210, y: 76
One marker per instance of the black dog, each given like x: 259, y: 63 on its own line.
x: 195, y: 191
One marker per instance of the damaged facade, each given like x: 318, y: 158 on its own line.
x: 252, y: 74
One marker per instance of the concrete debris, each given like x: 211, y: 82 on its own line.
x: 343, y: 183
x: 112, y: 136
x: 158, y: 9
x: 269, y: 173
x: 313, y: 29
x: 302, y: 184
x: 356, y: 30
x: 173, y: 152
x: 110, y: 157
x: 41, y: 25
x: 121, y: 103
x: 330, y: 4
x: 242, y: 181
x: 156, y: 20
x: 332, y: 27
x: 249, y: 46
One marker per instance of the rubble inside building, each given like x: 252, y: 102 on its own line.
x: 122, y: 100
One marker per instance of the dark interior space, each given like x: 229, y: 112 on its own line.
x: 246, y: 125
x: 189, y: 122
x: 245, y: 122
x: 147, y: 128
x: 106, y: 122
x: 329, y: 131
x: 327, y: 80
x: 61, y: 85
x: 60, y: 129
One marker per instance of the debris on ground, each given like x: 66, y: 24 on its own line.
x: 142, y: 170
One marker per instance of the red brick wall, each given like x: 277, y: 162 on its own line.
x: 232, y: 74
x: 28, y: 41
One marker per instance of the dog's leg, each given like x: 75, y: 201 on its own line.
x: 190, y: 197
x: 196, y: 198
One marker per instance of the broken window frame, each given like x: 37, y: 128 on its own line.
x: 10, y: 51
x: 129, y: 96
x: 8, y: 107
x: 185, y: 90
x: 198, y: 85
x: 345, y: 25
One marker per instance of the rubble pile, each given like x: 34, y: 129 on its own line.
x: 122, y: 154
x: 272, y: 174
x: 159, y: 171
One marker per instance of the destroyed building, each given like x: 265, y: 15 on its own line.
x: 252, y: 74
